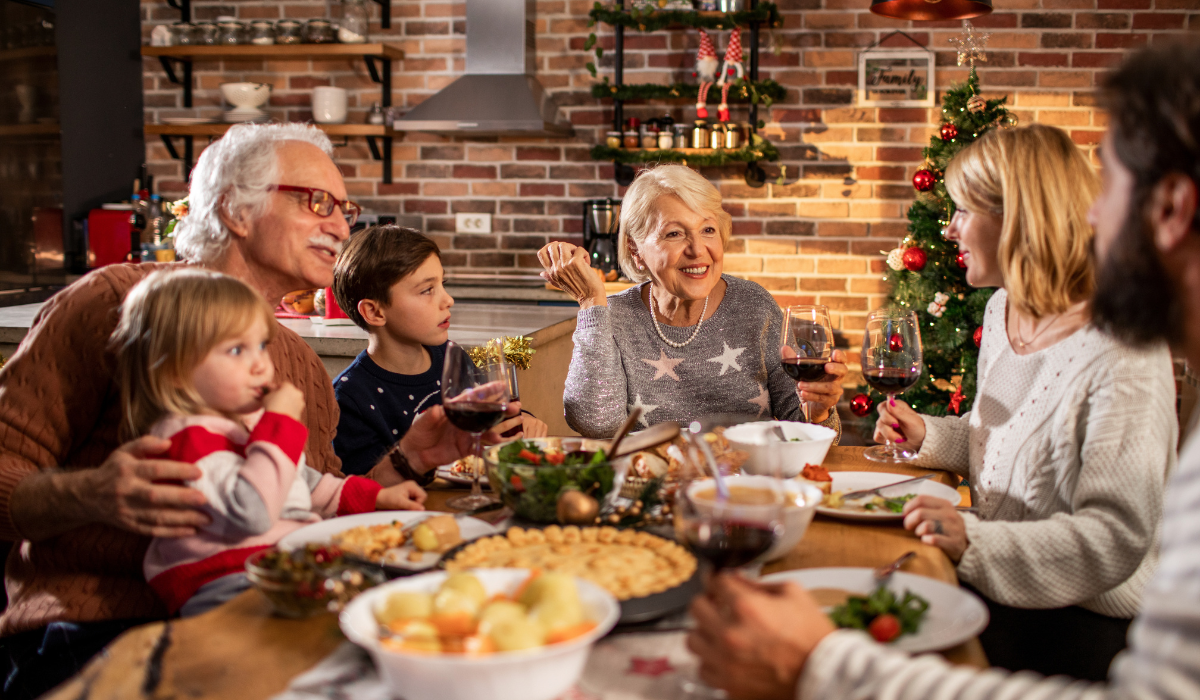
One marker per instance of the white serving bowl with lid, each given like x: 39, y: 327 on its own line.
x: 544, y: 673
x: 807, y: 443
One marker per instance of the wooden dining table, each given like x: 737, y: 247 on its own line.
x: 240, y: 650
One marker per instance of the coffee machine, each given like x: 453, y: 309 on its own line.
x: 601, y: 222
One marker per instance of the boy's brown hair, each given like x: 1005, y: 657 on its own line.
x: 373, y: 261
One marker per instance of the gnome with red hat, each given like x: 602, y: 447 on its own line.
x: 706, y: 70
x: 732, y: 66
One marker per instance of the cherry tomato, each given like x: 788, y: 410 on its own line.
x: 884, y: 628
x: 516, y: 483
x: 531, y: 457
x: 555, y: 458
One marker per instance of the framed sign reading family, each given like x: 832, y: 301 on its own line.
x: 895, y: 78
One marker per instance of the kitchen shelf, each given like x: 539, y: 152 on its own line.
x: 28, y: 52
x: 649, y: 21
x: 378, y: 58
x: 18, y: 130
x: 768, y: 92
x: 385, y: 11
x: 760, y: 150
x: 188, y: 132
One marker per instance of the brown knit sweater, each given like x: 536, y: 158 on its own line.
x: 59, y: 408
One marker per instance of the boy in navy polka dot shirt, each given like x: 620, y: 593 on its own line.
x: 389, y: 281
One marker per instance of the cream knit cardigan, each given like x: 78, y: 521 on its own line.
x: 1067, y: 451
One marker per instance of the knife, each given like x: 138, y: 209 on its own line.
x: 868, y: 492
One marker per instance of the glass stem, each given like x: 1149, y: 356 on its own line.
x: 477, y: 451
x: 807, y: 411
x: 889, y: 446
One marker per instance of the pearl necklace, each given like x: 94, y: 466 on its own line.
x: 654, y: 318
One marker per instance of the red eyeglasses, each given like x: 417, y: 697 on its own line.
x: 322, y: 203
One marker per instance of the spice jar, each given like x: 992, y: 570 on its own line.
x: 733, y: 135
x: 700, y: 134
x: 231, y: 32
x: 650, y: 136
x: 631, y: 139
x: 288, y: 31
x: 665, y: 139
x: 716, y: 138
x: 376, y: 115
x: 206, y: 33
x: 183, y: 34
x: 319, y: 31
x: 612, y: 139
x: 262, y: 33
x: 356, y: 18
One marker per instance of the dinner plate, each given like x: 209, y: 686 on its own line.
x: 446, y: 471
x: 858, y: 481
x: 398, y: 563
x: 186, y: 121
x: 954, y: 615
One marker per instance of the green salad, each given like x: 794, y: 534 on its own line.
x: 882, y: 614
x: 895, y: 505
x: 530, y: 479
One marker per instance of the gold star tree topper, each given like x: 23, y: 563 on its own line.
x: 970, y: 45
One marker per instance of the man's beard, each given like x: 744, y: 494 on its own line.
x: 1134, y: 300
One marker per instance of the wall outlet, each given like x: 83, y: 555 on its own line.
x: 472, y: 223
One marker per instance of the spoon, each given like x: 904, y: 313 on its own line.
x: 630, y: 421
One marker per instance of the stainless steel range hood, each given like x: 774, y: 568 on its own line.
x: 498, y: 95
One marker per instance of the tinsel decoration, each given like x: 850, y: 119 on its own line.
x: 924, y: 180
x: 764, y: 92
x: 914, y: 259
x: 947, y: 341
x: 948, y: 132
x: 517, y: 351
x: 861, y: 405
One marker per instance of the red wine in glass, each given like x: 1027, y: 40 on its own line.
x: 891, y: 380
x: 729, y: 544
x: 475, y: 417
x: 802, y: 369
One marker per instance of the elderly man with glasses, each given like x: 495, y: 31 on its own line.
x: 267, y: 205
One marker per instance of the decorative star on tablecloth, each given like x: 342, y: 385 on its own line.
x: 642, y: 666
x: 763, y: 400
x: 646, y: 409
x: 664, y: 366
x: 728, y: 358
x: 970, y: 45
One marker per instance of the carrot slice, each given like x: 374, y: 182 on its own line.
x: 566, y: 634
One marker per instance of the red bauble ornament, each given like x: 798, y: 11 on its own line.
x: 956, y: 400
x: 977, y: 336
x: 961, y: 262
x: 924, y: 180
x: 895, y: 343
x: 861, y: 405
x: 949, y: 131
x: 914, y: 259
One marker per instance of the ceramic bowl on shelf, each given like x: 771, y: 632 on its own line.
x: 246, y: 98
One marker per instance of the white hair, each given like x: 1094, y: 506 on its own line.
x: 234, y: 175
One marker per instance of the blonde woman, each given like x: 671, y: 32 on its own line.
x: 687, y: 341
x: 1072, y: 434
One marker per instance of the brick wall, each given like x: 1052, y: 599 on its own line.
x: 815, y: 238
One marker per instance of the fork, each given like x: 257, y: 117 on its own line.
x: 883, y: 573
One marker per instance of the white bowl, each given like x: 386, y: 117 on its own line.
x: 797, y: 515
x: 758, y: 440
x: 532, y: 674
x: 246, y: 96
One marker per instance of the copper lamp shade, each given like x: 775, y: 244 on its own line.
x: 927, y: 10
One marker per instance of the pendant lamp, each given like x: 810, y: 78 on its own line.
x: 931, y: 10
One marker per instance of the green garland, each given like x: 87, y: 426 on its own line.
x: 758, y: 149
x: 647, y: 19
x: 764, y: 92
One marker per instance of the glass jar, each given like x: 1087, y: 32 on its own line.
x: 262, y: 33
x: 376, y: 115
x: 206, y: 33
x: 700, y: 134
x: 231, y: 32
x: 355, y: 22
x: 288, y: 31
x: 716, y: 138
x: 183, y: 34
x: 650, y: 136
x: 665, y: 139
x: 733, y: 135
x: 681, y: 136
x: 319, y: 31
x: 631, y: 139
x: 612, y: 139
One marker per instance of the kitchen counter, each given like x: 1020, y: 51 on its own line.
x: 549, y: 327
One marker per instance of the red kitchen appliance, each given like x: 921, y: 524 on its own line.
x: 107, y: 237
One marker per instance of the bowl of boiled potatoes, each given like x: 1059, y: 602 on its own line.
x: 502, y: 634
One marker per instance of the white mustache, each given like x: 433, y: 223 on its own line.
x: 326, y: 241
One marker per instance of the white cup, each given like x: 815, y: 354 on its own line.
x: 329, y: 105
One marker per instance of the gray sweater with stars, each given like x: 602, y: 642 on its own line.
x: 732, y: 366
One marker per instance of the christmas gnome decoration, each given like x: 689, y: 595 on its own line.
x: 731, y: 66
x: 706, y: 70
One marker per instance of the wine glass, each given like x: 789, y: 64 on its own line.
x: 807, y: 345
x: 475, y: 400
x: 891, y: 364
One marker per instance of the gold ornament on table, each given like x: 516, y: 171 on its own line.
x: 970, y: 45
x: 576, y: 508
x: 517, y: 351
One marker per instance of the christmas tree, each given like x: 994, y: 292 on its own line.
x: 926, y: 271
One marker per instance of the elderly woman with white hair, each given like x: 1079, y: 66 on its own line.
x: 687, y: 341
